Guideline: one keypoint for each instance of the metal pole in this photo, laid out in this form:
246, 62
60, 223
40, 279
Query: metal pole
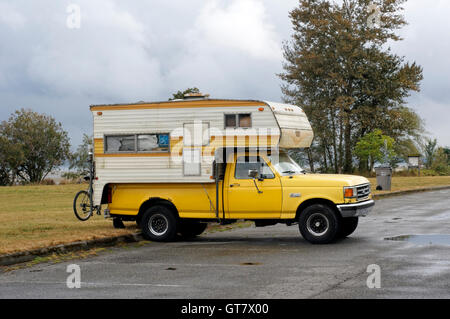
91, 180
217, 189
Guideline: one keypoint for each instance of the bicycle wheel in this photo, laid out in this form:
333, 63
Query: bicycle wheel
82, 205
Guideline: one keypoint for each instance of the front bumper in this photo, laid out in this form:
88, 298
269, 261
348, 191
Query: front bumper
356, 209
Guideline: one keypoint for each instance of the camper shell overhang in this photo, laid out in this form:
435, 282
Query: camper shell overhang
295, 129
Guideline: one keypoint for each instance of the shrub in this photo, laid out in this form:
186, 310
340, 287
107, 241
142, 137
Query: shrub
406, 173
48, 181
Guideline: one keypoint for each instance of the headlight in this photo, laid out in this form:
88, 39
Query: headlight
350, 192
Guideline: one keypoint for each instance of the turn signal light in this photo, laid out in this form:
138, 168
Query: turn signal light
348, 192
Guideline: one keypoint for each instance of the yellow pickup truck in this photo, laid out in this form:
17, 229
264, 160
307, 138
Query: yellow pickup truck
252, 187
148, 169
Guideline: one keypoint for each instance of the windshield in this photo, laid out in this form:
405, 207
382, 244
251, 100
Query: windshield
285, 165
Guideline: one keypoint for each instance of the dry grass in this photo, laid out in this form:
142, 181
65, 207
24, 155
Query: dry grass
407, 183
38, 216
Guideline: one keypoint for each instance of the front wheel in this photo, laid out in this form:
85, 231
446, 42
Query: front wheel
159, 224
82, 205
319, 224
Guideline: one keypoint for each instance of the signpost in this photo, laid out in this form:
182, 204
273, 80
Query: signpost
414, 162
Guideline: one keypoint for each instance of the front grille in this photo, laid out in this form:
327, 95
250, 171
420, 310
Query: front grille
362, 191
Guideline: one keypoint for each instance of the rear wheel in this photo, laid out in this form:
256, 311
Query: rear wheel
190, 229
159, 223
348, 226
82, 205
318, 224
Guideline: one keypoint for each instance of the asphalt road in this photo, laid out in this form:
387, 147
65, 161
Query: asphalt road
269, 262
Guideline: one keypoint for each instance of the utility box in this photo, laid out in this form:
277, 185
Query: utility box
384, 177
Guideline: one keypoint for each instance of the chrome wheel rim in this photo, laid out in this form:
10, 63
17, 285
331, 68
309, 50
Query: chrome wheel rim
158, 224
317, 224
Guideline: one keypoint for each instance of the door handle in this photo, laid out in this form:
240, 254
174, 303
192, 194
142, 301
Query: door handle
235, 184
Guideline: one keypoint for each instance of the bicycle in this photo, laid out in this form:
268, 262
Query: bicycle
83, 206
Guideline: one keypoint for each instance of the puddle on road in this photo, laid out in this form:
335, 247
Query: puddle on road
423, 239
250, 264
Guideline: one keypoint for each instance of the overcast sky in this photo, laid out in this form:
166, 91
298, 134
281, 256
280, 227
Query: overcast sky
129, 51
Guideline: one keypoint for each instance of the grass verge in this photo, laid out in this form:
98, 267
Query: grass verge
411, 183
39, 216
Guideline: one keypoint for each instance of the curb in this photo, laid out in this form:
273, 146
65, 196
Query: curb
410, 191
28, 255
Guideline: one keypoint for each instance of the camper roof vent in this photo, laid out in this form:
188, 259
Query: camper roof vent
190, 96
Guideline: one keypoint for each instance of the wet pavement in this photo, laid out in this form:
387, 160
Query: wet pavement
423, 239
269, 262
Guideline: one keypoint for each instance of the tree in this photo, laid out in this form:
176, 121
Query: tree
342, 73
375, 147
429, 151
5, 175
180, 94
5, 170
440, 162
447, 151
79, 160
33, 145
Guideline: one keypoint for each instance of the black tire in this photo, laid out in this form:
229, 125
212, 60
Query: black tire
319, 224
348, 226
159, 223
118, 223
82, 205
190, 229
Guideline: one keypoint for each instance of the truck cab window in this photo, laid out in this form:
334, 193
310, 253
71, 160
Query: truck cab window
285, 165
245, 164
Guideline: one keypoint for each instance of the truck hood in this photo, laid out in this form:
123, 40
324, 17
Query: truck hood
324, 180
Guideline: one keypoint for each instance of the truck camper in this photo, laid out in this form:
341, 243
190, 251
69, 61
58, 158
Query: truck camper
177, 165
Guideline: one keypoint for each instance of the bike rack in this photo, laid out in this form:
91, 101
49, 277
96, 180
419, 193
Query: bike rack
91, 180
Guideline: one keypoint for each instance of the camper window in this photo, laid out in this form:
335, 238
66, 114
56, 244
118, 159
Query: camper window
230, 120
238, 120
153, 143
245, 120
123, 143
144, 143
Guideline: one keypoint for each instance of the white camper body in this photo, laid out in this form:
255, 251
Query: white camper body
176, 141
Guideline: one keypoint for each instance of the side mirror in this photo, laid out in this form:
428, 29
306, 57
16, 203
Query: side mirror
253, 173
